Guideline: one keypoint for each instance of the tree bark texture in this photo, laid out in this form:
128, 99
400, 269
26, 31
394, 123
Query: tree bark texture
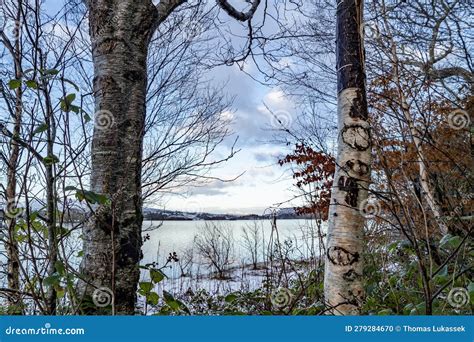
13, 261
13, 258
343, 286
120, 31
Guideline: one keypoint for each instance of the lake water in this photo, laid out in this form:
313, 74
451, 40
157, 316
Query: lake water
301, 237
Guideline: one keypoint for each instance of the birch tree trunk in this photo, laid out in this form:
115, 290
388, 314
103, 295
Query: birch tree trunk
13, 260
120, 31
51, 196
423, 170
343, 267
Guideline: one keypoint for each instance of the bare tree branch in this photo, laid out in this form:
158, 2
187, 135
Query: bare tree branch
166, 7
239, 15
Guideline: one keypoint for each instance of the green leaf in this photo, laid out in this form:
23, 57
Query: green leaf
102, 199
442, 277
70, 98
14, 84
74, 109
408, 308
71, 83
450, 242
152, 298
41, 128
385, 312
91, 197
167, 296
33, 215
156, 276
393, 280
50, 160
80, 196
53, 280
59, 266
60, 292
80, 254
393, 246
70, 188
66, 103
173, 304
418, 310
406, 246
170, 301
266, 313
50, 72
444, 271
31, 84
183, 307
87, 118
146, 286
230, 298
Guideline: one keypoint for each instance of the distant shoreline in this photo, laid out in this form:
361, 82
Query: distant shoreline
175, 215
233, 219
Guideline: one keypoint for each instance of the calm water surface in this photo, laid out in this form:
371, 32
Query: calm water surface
177, 236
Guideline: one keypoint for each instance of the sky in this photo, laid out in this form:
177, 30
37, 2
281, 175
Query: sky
263, 183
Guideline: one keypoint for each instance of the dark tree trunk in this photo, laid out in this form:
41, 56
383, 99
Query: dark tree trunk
120, 32
51, 204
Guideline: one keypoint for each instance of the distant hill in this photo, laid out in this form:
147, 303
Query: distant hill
77, 210
174, 215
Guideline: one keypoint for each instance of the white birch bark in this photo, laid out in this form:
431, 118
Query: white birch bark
343, 287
